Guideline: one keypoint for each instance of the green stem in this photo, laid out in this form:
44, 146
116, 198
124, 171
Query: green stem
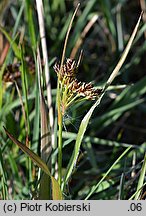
60, 149
60, 124
26, 109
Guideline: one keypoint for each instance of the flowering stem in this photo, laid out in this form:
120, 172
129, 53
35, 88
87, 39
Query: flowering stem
60, 124
60, 120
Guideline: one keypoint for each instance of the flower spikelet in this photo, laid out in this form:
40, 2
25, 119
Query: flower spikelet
67, 76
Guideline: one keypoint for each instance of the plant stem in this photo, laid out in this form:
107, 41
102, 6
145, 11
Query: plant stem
60, 119
59, 100
60, 124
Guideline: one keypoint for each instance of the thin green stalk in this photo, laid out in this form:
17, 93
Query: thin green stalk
59, 99
139, 190
4, 189
124, 55
60, 148
25, 88
60, 125
36, 121
141, 179
55, 144
30, 22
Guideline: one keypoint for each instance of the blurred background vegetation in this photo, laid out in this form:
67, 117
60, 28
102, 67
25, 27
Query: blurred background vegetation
101, 29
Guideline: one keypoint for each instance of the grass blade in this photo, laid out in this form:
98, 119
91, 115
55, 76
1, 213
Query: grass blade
79, 139
4, 189
13, 44
125, 53
44, 192
30, 22
133, 195
60, 115
141, 179
36, 122
56, 192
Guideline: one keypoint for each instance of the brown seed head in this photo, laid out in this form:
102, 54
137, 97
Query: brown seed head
68, 69
67, 74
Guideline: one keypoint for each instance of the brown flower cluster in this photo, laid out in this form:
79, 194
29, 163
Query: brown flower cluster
84, 89
67, 75
68, 69
12, 71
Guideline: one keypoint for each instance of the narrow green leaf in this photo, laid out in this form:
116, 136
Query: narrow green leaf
35, 158
4, 187
79, 138
133, 195
36, 122
25, 108
13, 44
56, 192
141, 179
30, 22
125, 53
95, 140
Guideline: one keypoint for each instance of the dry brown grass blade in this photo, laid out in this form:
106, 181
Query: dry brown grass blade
40, 12
45, 128
56, 192
67, 35
143, 8
46, 147
3, 50
83, 35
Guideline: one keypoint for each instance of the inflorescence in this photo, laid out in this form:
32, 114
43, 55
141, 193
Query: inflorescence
72, 86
